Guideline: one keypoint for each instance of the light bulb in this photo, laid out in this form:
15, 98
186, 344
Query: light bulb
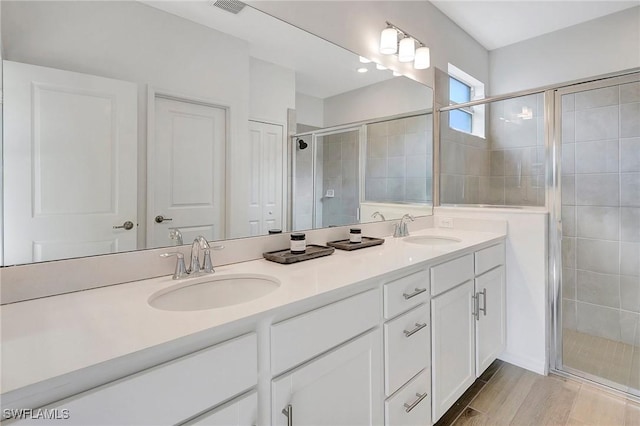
362, 70
364, 60
389, 41
407, 50
422, 59
396, 74
380, 67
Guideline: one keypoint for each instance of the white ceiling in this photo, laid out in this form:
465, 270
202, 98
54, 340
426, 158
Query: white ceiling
496, 24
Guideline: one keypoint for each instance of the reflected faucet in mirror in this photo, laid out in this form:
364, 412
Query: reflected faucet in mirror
378, 214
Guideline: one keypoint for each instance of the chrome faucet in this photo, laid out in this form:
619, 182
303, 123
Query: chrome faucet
401, 229
199, 244
181, 269
378, 214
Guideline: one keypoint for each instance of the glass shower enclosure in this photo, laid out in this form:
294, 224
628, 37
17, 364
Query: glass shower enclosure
596, 231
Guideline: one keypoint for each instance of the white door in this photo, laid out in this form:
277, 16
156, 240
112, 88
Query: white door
242, 411
491, 323
452, 347
266, 177
70, 164
186, 171
343, 387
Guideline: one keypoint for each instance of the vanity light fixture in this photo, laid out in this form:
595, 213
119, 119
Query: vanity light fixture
380, 67
362, 69
389, 40
406, 49
423, 58
364, 60
396, 74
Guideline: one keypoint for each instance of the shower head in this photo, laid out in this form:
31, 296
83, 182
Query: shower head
302, 144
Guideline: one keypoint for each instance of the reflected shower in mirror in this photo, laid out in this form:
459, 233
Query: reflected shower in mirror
184, 119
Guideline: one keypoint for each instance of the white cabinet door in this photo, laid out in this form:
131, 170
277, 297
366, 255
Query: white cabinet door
342, 387
242, 411
453, 346
491, 324
70, 164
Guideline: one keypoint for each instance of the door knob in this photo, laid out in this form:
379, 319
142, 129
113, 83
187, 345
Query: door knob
160, 219
128, 225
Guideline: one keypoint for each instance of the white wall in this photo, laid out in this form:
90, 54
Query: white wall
600, 46
272, 89
527, 290
309, 110
390, 97
356, 25
133, 42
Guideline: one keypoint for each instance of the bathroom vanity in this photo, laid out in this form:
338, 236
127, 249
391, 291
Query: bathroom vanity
392, 334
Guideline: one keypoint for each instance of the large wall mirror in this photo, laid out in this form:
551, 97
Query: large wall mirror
131, 125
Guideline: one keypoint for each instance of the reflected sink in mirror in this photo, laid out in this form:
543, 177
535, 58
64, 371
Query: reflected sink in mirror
213, 292
431, 240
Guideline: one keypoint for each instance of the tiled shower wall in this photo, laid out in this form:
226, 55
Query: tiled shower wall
601, 212
399, 160
340, 174
506, 166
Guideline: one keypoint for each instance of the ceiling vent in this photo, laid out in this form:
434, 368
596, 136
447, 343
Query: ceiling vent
233, 6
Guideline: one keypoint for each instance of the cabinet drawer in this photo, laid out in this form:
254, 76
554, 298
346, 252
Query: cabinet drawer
242, 411
301, 338
489, 258
405, 293
411, 406
170, 393
407, 341
448, 275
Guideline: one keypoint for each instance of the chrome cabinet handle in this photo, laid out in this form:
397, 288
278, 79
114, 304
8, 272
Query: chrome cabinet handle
409, 333
160, 219
128, 225
409, 407
288, 411
474, 312
484, 299
414, 294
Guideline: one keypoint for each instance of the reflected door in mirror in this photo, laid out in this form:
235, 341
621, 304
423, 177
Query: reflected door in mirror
186, 176
266, 176
70, 161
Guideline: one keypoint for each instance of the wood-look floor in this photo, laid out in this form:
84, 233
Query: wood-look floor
514, 396
615, 361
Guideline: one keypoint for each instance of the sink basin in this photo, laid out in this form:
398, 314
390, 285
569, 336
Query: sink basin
213, 292
431, 240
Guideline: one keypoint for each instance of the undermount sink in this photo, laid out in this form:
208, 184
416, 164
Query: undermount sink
431, 240
213, 292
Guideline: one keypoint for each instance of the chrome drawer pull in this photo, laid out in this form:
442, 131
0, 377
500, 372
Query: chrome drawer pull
409, 407
288, 411
409, 333
414, 294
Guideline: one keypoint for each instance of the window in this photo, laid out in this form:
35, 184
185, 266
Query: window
462, 89
460, 93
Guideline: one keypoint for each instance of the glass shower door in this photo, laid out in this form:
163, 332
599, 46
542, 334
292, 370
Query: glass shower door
598, 325
337, 178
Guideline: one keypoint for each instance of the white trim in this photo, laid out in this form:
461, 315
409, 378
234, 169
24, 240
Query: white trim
531, 364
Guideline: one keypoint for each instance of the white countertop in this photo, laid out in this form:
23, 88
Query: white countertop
45, 338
